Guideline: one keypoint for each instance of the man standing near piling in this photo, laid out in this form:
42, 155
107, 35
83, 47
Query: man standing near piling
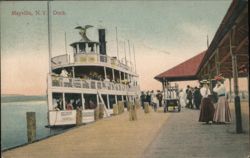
159, 97
143, 98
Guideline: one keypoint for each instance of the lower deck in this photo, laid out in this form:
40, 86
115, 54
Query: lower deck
63, 104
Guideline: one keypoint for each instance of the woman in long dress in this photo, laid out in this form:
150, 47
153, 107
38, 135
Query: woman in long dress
183, 97
222, 111
207, 107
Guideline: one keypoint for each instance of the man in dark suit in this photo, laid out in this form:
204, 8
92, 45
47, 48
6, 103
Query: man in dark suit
159, 97
189, 97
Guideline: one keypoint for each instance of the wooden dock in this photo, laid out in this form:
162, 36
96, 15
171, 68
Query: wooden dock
114, 137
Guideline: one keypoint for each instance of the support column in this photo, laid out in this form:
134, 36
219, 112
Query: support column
77, 48
209, 76
113, 74
64, 105
115, 99
97, 100
124, 75
73, 72
120, 75
230, 90
108, 101
86, 47
83, 101
105, 72
163, 88
236, 87
217, 62
96, 48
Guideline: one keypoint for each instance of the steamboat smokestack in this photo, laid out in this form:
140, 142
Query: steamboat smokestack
102, 41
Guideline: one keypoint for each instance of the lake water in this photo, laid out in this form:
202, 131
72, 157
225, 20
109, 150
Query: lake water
14, 126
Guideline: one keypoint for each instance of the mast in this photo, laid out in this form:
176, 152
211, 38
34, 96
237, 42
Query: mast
65, 40
49, 36
117, 43
134, 57
125, 53
129, 53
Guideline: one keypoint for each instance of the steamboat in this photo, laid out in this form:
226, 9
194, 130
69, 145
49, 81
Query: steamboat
91, 77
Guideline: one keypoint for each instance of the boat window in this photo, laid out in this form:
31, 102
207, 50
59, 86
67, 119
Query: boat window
82, 48
74, 100
89, 72
125, 99
90, 101
111, 101
57, 101
119, 98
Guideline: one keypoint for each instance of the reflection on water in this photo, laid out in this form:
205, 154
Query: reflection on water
13, 122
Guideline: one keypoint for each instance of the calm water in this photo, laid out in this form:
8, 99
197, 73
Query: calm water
13, 122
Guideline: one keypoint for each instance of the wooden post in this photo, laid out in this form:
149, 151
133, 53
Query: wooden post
115, 109
236, 87
217, 62
146, 107
96, 112
137, 103
31, 126
128, 105
120, 107
101, 111
78, 117
132, 112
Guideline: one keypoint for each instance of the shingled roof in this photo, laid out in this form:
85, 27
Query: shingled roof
186, 70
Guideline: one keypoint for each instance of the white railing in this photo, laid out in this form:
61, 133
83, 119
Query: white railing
58, 81
94, 58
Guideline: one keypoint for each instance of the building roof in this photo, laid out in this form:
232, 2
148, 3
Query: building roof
236, 16
186, 70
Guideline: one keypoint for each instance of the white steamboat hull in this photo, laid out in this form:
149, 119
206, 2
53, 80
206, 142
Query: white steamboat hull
68, 117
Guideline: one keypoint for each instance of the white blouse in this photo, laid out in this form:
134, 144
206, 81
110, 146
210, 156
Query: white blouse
205, 92
220, 90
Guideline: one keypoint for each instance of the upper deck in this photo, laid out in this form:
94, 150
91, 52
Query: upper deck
93, 59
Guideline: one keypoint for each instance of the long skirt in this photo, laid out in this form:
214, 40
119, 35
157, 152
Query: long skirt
222, 111
207, 110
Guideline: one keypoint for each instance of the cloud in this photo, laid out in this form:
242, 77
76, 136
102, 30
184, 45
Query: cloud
156, 49
196, 33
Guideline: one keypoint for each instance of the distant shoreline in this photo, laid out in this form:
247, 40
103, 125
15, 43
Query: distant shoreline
22, 98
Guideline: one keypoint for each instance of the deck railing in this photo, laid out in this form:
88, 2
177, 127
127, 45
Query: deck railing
58, 81
94, 58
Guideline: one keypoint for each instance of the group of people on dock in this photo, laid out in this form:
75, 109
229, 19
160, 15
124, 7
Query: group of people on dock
191, 97
213, 105
154, 99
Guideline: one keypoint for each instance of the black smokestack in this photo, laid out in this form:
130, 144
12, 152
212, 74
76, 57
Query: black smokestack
102, 41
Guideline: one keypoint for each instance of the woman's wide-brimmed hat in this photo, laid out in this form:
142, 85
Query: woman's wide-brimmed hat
219, 78
204, 82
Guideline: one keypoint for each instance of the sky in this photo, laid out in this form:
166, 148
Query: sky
164, 34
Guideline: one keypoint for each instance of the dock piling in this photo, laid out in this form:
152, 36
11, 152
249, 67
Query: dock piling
78, 117
31, 126
115, 109
137, 103
96, 113
120, 107
132, 112
101, 111
146, 107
